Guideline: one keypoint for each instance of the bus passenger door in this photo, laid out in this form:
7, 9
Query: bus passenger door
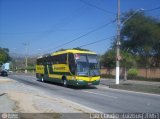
71, 63
46, 69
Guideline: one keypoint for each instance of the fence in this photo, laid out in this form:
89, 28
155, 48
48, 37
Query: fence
142, 72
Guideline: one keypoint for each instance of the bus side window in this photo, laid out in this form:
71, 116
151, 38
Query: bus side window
62, 58
71, 62
53, 59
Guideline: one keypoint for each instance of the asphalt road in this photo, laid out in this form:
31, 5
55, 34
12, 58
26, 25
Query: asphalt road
99, 98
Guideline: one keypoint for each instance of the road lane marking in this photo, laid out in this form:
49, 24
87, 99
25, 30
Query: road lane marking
101, 94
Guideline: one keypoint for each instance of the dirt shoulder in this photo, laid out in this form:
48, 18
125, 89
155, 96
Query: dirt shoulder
21, 98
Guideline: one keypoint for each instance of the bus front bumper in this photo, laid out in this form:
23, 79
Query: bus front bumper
83, 83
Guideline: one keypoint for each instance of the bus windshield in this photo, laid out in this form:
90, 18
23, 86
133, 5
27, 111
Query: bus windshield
87, 65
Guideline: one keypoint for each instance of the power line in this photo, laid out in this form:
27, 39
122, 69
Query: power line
104, 10
112, 13
100, 27
96, 41
149, 10
96, 29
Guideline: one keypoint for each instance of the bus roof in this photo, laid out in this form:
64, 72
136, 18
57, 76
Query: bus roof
67, 51
72, 51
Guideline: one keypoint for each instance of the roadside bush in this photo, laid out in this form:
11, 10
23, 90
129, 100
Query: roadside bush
31, 68
132, 73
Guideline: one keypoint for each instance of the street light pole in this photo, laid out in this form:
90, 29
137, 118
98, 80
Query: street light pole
118, 57
118, 44
138, 10
26, 57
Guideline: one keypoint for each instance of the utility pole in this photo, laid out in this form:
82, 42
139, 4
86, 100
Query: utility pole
118, 56
118, 44
26, 57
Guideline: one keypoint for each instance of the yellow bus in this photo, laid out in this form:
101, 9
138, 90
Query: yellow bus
69, 67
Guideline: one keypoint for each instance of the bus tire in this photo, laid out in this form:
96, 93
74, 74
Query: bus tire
42, 79
64, 81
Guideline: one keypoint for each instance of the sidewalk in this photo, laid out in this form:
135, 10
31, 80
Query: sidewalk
133, 85
17, 97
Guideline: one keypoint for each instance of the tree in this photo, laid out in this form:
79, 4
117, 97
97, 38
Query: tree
140, 43
109, 60
127, 62
141, 35
4, 55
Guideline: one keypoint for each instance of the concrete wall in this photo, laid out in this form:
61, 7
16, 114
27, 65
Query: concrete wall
142, 72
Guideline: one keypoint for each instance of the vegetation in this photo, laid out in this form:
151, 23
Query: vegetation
4, 55
140, 43
109, 59
132, 72
18, 64
140, 35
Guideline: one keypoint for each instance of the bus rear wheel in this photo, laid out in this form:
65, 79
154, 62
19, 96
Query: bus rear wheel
64, 82
42, 79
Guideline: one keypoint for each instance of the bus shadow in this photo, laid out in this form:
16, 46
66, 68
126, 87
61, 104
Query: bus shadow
50, 82
82, 87
70, 86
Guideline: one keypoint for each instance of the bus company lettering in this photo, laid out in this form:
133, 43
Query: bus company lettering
58, 68
40, 67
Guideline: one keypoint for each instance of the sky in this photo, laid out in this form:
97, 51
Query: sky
43, 25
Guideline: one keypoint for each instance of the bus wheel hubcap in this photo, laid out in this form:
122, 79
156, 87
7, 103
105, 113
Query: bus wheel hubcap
42, 79
64, 82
